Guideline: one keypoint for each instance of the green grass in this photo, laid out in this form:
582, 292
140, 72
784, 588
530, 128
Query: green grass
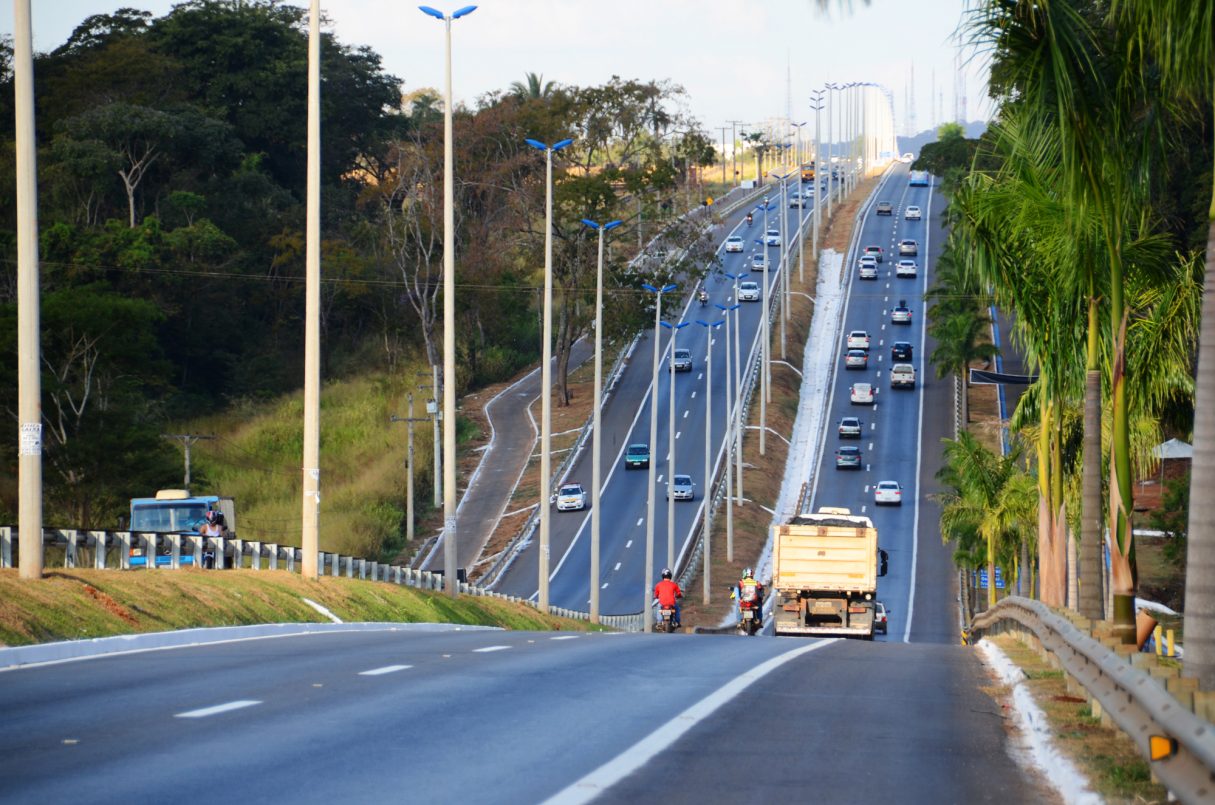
79, 604
257, 457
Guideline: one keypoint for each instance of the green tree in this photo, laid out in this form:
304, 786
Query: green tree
532, 88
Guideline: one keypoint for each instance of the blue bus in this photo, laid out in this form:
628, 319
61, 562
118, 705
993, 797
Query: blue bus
918, 179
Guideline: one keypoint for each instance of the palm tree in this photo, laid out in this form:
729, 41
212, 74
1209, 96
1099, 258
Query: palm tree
533, 87
992, 499
1174, 37
959, 344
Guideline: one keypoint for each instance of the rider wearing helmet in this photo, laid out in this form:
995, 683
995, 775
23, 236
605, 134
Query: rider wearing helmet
748, 592
668, 593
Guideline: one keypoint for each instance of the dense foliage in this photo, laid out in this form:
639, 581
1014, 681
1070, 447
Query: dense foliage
171, 159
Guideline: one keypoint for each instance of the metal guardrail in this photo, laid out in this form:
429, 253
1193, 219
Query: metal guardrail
111, 551
1132, 698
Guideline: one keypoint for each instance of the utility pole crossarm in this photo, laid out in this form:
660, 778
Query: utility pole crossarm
187, 440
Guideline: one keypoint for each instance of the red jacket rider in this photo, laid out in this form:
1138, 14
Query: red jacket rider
668, 593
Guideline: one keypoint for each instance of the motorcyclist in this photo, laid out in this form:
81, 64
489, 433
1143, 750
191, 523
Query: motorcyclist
703, 296
748, 592
213, 528
750, 218
668, 594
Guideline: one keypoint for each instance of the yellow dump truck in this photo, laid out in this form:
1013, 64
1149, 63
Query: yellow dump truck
825, 568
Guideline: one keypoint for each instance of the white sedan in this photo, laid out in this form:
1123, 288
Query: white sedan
912, 213
905, 268
748, 291
862, 393
571, 497
734, 243
888, 492
772, 237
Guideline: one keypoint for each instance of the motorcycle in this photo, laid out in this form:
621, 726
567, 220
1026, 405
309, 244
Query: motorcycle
750, 621
666, 620
704, 298
750, 218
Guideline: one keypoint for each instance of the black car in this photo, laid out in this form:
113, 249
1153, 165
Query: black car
900, 351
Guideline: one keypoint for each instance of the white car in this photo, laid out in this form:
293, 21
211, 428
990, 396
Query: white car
795, 199
912, 213
748, 291
908, 247
772, 237
759, 261
900, 314
681, 488
905, 268
571, 497
858, 339
888, 492
867, 268
862, 394
734, 243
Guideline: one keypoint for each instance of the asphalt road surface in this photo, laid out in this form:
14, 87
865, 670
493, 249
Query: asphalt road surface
498, 717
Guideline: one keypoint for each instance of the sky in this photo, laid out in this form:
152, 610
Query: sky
737, 60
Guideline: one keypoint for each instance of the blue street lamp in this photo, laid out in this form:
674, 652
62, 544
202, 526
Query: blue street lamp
595, 440
546, 372
449, 315
648, 610
674, 328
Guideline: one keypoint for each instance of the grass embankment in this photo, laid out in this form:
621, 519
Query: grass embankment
1104, 754
764, 474
79, 604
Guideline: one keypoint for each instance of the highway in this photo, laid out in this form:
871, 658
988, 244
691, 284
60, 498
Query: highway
902, 429
480, 716
626, 420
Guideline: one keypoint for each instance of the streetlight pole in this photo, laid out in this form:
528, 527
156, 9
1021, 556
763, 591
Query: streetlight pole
783, 260
311, 509
29, 350
832, 103
546, 371
409, 420
729, 454
707, 526
798, 146
816, 103
647, 610
674, 328
596, 436
450, 583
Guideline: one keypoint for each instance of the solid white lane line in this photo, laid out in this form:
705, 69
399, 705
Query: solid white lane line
487, 649
387, 669
565, 637
217, 709
601, 779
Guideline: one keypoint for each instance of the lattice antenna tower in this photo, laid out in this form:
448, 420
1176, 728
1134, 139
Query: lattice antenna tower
911, 127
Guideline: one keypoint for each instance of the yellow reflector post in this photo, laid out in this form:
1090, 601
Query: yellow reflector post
1161, 746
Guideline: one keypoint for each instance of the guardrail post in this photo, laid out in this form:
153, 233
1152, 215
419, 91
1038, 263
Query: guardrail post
238, 553
6, 546
350, 567
123, 540
175, 551
273, 549
362, 569
334, 564
150, 543
69, 552
255, 554
98, 538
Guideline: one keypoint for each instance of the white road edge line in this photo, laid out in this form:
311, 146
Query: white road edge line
487, 649
217, 709
601, 779
565, 637
387, 669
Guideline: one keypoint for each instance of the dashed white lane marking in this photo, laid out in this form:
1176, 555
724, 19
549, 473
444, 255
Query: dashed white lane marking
487, 649
617, 567
700, 376
685, 414
640, 520
659, 480
217, 709
387, 669
605, 584
678, 433
565, 637
629, 544
693, 395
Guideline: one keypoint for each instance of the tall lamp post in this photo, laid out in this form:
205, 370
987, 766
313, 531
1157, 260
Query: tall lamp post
546, 369
595, 429
725, 314
647, 610
798, 145
783, 261
707, 526
737, 385
450, 583
674, 328
29, 355
816, 104
832, 103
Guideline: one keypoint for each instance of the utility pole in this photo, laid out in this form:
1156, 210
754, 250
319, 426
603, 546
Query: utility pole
311, 508
734, 147
723, 154
186, 440
29, 349
409, 467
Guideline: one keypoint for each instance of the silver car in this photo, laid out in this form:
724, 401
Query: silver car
681, 488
